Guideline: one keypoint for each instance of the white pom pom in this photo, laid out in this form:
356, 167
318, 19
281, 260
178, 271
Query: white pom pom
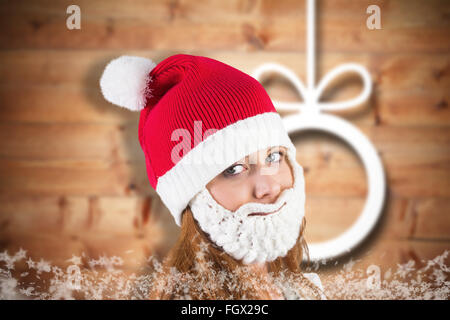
125, 81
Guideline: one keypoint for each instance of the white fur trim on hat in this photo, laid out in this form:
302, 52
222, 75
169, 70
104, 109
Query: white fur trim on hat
125, 81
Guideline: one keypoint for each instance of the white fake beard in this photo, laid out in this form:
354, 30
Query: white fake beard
254, 238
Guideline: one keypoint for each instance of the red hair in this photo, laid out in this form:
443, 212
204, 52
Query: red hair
196, 268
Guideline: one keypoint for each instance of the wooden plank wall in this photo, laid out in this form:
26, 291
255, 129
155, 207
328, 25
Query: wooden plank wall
72, 174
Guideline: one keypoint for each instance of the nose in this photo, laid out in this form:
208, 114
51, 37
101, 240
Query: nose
266, 188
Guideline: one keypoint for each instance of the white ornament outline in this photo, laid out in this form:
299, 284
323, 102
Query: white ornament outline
310, 117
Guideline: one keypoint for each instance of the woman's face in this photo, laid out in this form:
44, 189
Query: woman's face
259, 177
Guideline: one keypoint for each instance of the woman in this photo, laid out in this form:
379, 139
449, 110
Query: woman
220, 159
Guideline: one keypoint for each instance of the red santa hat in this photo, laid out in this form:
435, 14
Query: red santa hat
198, 116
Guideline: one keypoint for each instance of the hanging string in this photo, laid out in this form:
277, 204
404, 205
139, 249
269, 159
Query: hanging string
311, 94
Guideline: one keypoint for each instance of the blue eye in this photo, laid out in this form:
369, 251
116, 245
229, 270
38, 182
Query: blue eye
231, 170
276, 158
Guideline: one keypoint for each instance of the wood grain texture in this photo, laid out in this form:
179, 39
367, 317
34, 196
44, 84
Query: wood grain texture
399, 100
218, 25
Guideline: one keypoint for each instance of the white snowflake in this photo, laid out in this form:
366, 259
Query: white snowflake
404, 269
75, 260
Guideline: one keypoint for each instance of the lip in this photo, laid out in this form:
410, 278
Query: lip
265, 213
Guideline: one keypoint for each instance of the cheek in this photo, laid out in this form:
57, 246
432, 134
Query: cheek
286, 175
229, 196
